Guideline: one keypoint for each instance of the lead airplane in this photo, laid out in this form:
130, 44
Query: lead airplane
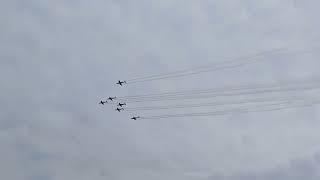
121, 82
135, 117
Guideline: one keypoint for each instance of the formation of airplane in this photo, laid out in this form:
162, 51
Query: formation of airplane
119, 105
121, 82
135, 118
122, 104
119, 109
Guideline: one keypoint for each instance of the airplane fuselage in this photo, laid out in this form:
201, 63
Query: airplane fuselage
121, 104
121, 82
119, 110
135, 118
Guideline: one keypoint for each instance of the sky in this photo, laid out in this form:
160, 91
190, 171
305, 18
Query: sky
59, 58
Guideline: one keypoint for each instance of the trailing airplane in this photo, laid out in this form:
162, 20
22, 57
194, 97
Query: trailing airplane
112, 98
122, 104
103, 102
119, 109
121, 82
135, 117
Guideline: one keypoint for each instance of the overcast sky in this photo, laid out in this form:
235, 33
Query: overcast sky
58, 58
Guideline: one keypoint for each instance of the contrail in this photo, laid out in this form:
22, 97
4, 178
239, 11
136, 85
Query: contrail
219, 90
264, 108
236, 62
223, 94
206, 67
217, 104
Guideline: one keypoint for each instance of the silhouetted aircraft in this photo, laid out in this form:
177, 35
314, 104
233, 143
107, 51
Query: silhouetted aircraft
112, 98
103, 102
122, 104
135, 118
121, 82
119, 109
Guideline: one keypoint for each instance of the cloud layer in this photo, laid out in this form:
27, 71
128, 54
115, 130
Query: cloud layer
58, 58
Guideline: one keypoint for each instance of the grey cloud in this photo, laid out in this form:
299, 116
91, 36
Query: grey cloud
296, 169
58, 58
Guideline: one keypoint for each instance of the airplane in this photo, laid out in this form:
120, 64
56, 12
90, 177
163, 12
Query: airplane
121, 82
112, 98
119, 109
103, 102
122, 104
135, 118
